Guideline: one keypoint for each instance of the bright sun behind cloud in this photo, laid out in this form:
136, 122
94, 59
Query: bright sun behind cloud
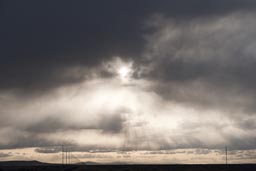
123, 71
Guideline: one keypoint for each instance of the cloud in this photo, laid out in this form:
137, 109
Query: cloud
107, 123
134, 119
205, 61
52, 119
191, 81
47, 150
49, 40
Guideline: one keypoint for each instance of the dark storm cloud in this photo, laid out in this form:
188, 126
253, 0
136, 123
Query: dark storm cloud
187, 151
112, 124
33, 134
31, 140
247, 124
233, 140
46, 125
205, 61
42, 40
241, 155
75, 148
199, 52
107, 123
48, 150
20, 138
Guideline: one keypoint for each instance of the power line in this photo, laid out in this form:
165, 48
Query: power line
66, 155
62, 154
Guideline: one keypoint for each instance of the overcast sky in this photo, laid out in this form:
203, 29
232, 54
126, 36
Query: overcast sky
149, 81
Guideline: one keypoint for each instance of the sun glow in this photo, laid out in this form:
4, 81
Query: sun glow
124, 72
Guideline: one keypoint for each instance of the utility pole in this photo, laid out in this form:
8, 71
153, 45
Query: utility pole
62, 155
66, 156
226, 149
70, 159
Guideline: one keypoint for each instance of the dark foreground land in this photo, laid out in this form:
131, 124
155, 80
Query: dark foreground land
49, 167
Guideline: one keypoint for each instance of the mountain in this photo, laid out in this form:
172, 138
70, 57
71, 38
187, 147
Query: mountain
22, 163
88, 163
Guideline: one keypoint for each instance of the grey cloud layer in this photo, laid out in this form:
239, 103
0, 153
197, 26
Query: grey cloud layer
199, 56
41, 41
206, 60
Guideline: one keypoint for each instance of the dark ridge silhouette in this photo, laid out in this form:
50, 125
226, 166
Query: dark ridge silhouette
93, 166
22, 163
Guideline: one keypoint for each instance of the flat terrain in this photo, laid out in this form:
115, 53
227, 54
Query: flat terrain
48, 167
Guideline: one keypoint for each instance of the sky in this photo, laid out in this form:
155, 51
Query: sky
166, 81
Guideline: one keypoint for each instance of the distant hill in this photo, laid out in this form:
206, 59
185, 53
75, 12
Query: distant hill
88, 163
22, 163
119, 163
93, 166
